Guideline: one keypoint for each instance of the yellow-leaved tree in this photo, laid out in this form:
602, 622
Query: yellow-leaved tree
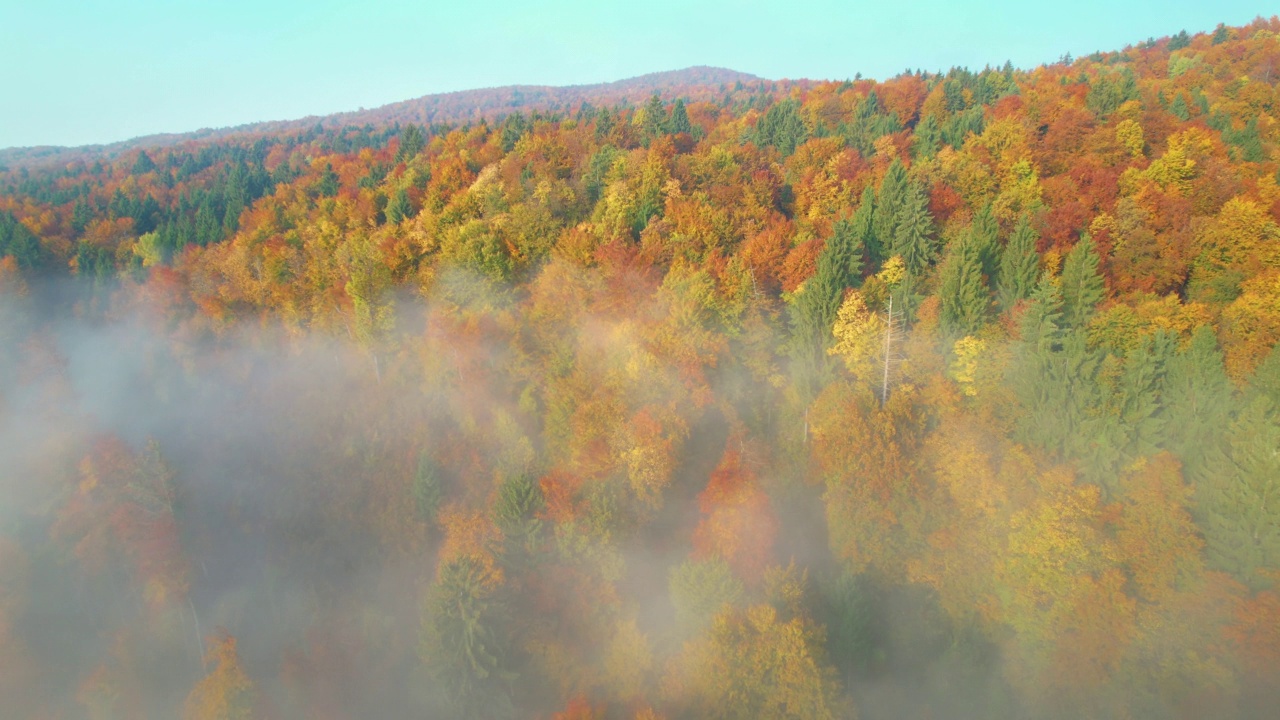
226, 693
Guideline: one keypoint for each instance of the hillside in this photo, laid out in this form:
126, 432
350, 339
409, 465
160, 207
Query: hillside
955, 395
445, 108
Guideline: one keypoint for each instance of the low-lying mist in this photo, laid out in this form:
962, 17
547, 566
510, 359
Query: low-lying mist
491, 504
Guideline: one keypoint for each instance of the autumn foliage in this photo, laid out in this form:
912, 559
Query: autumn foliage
952, 395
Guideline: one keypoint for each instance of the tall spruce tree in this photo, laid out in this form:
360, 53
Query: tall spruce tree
928, 138
412, 141
464, 643
889, 201
1082, 287
814, 308
1197, 402
679, 120
839, 267
963, 290
1238, 503
913, 231
986, 240
1019, 266
655, 117
399, 208
864, 228
782, 127
1266, 378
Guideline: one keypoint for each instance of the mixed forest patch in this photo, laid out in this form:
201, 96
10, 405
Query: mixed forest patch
953, 395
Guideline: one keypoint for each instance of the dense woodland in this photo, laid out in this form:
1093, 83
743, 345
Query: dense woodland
955, 395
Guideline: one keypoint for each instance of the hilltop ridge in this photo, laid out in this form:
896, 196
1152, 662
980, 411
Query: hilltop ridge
450, 107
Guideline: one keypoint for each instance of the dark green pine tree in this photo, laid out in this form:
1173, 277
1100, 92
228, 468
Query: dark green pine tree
864, 227
679, 120
81, 215
514, 127
516, 515
1129, 424
814, 307
1197, 402
208, 226
928, 138
889, 201
986, 239
1179, 108
963, 290
1019, 266
412, 141
1238, 502
913, 232
20, 243
144, 164
329, 183
1036, 356
839, 267
463, 643
655, 117
399, 207
1266, 378
1060, 399
428, 488
782, 128
1082, 287
1041, 328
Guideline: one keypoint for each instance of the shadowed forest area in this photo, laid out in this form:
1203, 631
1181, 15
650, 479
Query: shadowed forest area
955, 395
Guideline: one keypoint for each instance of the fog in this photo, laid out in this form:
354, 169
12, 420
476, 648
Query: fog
264, 487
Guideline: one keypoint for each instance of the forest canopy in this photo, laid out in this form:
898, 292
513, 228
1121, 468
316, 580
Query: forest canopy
952, 395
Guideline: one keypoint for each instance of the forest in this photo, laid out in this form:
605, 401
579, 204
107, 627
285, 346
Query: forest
953, 395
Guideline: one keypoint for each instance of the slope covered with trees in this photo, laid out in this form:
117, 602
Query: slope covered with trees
603, 412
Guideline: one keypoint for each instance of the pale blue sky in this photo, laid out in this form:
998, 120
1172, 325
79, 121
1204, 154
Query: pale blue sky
88, 71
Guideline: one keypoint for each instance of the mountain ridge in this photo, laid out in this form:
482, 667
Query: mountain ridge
474, 104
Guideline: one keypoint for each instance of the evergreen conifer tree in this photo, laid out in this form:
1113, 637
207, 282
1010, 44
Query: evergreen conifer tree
399, 208
913, 232
679, 120
865, 230
1197, 400
985, 233
963, 290
1237, 504
928, 138
889, 202
1082, 287
1019, 266
839, 267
